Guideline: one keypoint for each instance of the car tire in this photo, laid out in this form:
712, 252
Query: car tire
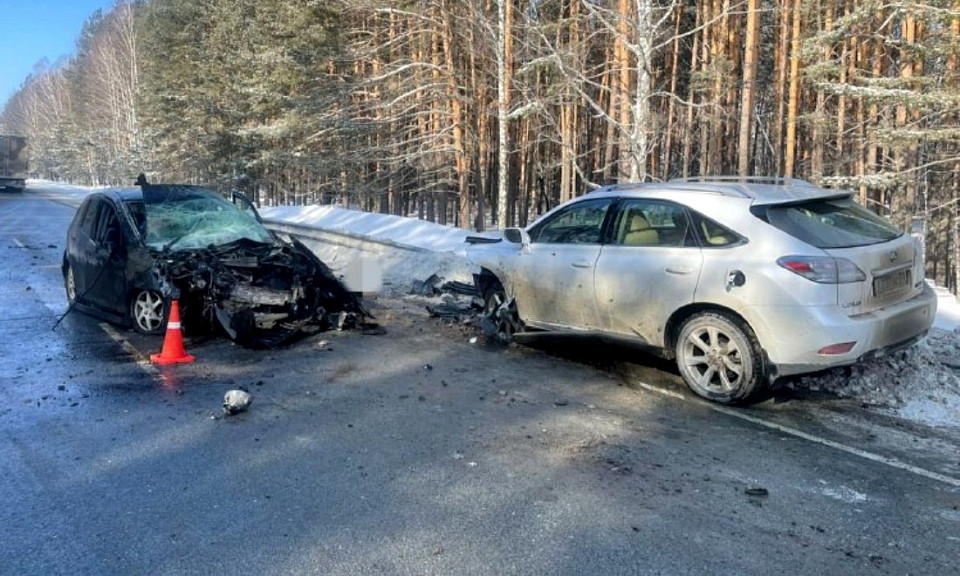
70, 285
720, 358
148, 312
501, 319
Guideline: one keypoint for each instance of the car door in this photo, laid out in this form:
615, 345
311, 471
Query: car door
108, 262
649, 269
80, 245
553, 277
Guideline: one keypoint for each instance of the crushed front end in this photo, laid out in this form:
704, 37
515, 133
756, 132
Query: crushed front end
227, 270
262, 295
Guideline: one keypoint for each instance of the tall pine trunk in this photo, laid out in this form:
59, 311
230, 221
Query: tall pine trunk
749, 88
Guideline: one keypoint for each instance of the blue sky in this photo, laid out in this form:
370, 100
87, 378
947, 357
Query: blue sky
36, 29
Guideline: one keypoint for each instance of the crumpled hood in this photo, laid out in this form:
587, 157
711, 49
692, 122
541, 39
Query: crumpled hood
261, 294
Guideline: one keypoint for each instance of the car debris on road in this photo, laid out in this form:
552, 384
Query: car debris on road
236, 401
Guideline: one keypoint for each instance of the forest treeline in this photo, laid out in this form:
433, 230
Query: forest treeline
489, 112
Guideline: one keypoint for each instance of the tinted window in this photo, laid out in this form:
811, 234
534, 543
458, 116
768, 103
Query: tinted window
645, 223
580, 223
714, 235
90, 214
136, 210
108, 227
833, 223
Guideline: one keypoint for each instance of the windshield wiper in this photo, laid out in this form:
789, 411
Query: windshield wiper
169, 245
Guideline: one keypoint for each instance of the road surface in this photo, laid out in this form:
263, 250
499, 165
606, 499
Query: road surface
419, 452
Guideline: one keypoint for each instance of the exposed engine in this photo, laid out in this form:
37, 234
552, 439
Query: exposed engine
260, 294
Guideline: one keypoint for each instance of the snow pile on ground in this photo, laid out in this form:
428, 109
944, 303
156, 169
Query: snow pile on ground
411, 250
921, 383
384, 227
914, 383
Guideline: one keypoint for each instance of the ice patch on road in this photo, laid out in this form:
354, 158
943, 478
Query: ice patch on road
842, 493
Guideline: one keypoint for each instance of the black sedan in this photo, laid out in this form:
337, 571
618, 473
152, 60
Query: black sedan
131, 251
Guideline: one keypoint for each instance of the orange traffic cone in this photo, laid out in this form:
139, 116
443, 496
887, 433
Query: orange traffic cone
173, 352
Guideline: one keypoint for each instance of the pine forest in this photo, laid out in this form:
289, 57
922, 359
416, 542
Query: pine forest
487, 113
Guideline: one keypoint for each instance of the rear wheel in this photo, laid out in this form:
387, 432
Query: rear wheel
719, 357
148, 312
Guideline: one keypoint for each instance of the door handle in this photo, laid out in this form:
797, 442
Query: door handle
682, 270
580, 264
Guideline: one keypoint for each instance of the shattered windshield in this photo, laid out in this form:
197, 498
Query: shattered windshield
190, 217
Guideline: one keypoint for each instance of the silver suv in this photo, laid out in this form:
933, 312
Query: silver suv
742, 281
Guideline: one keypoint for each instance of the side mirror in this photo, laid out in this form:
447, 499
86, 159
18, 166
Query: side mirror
517, 236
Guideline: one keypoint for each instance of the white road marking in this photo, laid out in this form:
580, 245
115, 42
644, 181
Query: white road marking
143, 361
139, 358
886, 460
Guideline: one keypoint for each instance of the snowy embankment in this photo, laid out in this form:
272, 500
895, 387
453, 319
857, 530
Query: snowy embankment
408, 250
920, 383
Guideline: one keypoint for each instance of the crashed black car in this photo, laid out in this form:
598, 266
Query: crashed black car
131, 251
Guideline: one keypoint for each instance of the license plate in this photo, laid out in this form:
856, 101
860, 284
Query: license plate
892, 282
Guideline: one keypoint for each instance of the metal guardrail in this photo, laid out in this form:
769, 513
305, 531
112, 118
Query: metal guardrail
336, 236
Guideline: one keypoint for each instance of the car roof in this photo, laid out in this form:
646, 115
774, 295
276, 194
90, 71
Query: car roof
134, 194
129, 194
759, 190
121, 194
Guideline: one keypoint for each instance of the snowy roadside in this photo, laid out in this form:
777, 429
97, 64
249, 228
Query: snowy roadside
920, 384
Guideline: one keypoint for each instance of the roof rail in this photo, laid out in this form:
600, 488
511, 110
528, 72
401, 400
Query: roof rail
616, 187
772, 180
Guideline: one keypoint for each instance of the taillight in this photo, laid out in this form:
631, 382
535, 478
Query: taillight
823, 269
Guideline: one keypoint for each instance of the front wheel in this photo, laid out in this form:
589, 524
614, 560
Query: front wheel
70, 284
500, 314
148, 312
719, 357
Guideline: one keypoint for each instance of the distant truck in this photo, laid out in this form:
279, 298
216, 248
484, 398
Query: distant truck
13, 162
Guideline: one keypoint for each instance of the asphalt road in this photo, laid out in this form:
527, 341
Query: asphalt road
417, 452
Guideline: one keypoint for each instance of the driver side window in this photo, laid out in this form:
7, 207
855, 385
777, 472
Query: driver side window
581, 223
108, 227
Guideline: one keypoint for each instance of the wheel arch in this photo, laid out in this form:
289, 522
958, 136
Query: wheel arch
681, 315
485, 279
675, 322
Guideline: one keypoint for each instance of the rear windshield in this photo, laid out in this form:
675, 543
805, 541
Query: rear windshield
832, 223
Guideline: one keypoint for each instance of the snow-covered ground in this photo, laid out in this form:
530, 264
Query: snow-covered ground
918, 384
